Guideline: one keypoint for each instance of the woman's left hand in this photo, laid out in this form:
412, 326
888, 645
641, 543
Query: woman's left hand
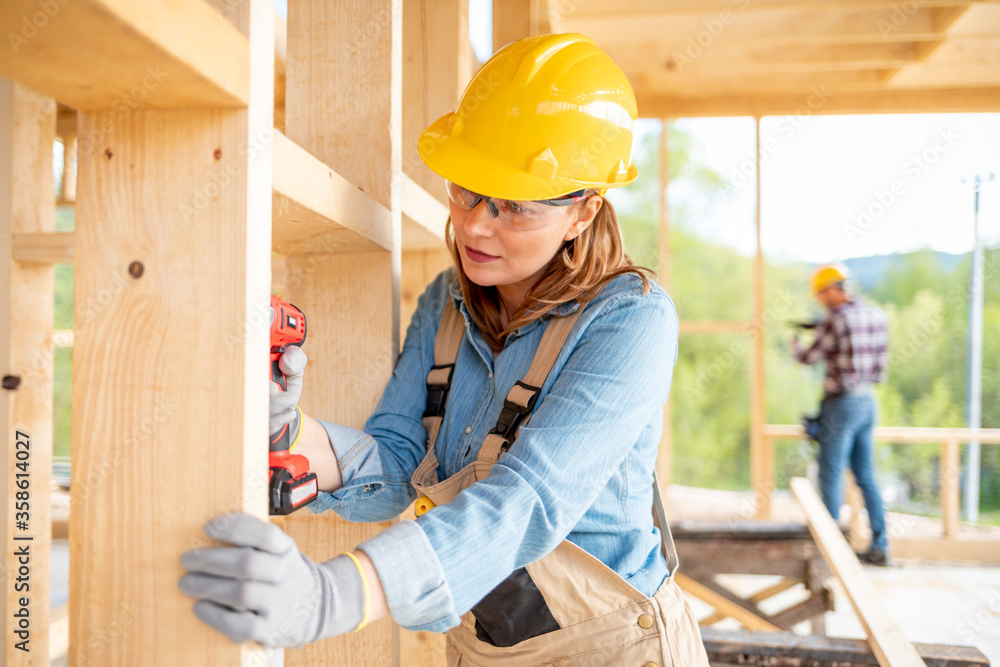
263, 589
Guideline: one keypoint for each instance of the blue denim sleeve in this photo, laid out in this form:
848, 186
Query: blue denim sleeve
613, 384
376, 463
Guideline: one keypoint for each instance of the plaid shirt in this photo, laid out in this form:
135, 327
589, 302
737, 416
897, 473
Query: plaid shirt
852, 338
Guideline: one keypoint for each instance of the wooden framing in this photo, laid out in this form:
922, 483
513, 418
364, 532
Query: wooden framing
949, 547
27, 131
157, 54
193, 239
343, 104
888, 644
785, 649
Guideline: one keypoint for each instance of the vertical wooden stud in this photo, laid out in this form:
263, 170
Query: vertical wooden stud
343, 103
665, 459
949, 470
27, 205
170, 359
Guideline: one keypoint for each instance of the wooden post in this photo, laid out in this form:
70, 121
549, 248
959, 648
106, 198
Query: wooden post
344, 105
665, 459
511, 22
761, 456
170, 358
949, 471
27, 131
856, 502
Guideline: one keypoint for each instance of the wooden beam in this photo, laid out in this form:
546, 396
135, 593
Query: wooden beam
156, 54
172, 273
821, 101
948, 550
59, 633
316, 210
723, 604
665, 454
44, 247
716, 327
785, 584
642, 8
511, 22
887, 641
27, 132
437, 58
424, 217
901, 434
344, 106
949, 473
787, 649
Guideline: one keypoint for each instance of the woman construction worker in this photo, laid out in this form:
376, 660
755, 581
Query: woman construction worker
523, 414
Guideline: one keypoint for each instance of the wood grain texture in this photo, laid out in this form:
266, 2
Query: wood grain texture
437, 56
348, 300
170, 362
343, 104
316, 210
44, 247
887, 641
27, 131
120, 54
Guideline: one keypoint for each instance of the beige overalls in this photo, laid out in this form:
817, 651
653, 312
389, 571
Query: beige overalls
567, 608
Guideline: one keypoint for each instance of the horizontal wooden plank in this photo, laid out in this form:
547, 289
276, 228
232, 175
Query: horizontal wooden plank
887, 641
902, 434
953, 550
820, 101
316, 210
44, 247
723, 604
640, 8
424, 217
123, 54
706, 326
787, 649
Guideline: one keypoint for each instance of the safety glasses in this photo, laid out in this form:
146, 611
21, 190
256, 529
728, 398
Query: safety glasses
519, 216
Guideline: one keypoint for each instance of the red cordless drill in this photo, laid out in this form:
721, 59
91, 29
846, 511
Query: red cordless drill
290, 483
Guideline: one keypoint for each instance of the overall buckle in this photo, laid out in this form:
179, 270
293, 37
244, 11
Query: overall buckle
437, 393
512, 413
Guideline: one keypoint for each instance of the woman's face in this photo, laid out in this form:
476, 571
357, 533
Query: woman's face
493, 255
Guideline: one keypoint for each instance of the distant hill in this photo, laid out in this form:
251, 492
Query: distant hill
868, 272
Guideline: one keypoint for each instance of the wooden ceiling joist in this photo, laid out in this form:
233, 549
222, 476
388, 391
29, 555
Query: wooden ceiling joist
769, 57
159, 54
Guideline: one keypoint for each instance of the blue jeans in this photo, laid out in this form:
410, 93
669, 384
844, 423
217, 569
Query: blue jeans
845, 435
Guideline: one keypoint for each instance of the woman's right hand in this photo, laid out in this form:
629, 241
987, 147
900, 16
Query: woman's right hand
292, 362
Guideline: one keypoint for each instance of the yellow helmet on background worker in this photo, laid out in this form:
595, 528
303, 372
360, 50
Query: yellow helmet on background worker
828, 275
545, 116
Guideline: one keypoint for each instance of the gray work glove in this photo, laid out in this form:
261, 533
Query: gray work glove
264, 590
292, 362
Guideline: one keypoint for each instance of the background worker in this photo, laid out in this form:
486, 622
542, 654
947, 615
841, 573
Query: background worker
523, 415
852, 340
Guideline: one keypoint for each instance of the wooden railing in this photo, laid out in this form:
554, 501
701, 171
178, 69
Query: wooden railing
950, 472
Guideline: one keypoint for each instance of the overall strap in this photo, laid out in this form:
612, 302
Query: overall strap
521, 398
446, 344
667, 545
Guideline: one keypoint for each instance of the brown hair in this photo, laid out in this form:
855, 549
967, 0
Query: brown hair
577, 272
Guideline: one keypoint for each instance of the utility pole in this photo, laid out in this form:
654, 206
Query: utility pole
974, 371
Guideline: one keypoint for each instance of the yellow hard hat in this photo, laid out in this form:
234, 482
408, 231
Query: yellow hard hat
831, 274
545, 116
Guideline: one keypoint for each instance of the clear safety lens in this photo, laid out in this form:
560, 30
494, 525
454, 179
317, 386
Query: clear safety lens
512, 214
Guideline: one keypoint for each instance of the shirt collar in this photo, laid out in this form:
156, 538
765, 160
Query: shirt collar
455, 291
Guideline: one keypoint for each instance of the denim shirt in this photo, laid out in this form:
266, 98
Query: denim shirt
580, 469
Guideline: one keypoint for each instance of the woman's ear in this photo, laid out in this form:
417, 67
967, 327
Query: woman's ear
584, 217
